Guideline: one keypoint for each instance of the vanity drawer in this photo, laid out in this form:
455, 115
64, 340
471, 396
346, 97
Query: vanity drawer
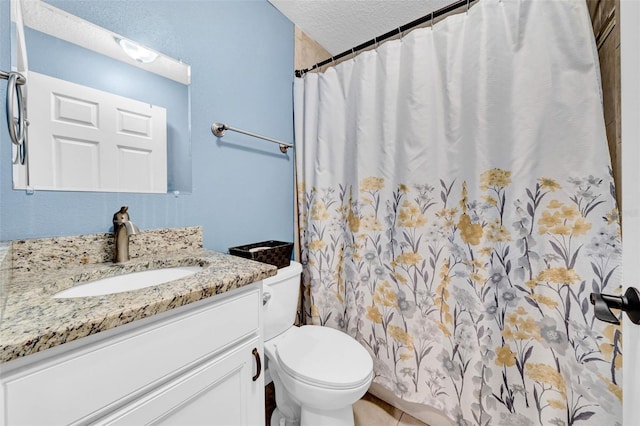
107, 374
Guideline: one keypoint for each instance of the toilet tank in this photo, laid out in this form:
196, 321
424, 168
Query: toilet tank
281, 293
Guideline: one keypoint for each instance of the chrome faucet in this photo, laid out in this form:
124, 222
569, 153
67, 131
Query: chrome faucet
122, 228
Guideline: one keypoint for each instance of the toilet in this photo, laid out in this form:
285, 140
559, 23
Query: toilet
317, 372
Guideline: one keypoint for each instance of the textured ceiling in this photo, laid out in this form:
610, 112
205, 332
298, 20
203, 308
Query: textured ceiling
339, 25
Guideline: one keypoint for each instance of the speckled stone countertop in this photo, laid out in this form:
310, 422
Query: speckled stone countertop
32, 271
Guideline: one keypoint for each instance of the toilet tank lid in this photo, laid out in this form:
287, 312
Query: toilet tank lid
325, 356
293, 269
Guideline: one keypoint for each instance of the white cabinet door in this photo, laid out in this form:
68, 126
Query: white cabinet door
220, 392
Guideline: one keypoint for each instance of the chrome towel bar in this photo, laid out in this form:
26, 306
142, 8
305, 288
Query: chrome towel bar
219, 129
5, 75
16, 122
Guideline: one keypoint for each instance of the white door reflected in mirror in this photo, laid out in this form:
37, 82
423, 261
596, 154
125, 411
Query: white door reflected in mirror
82, 139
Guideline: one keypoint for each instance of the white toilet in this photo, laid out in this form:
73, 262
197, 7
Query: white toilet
318, 372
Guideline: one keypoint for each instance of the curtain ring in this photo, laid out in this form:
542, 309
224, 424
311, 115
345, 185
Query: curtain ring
400, 33
432, 21
467, 7
353, 54
375, 41
333, 62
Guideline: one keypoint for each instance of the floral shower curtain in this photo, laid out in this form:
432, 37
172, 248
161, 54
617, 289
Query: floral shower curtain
457, 209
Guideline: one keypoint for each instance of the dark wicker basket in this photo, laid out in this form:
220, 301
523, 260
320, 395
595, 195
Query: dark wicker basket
272, 252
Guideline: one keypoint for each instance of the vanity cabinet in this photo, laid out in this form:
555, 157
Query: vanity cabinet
197, 364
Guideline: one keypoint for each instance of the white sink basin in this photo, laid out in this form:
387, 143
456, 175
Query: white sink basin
128, 282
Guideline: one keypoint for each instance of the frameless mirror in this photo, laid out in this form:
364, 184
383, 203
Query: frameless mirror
51, 41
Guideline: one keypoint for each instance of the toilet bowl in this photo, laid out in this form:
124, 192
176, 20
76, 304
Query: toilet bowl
318, 372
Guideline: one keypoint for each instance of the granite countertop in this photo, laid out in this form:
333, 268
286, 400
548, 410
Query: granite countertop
31, 320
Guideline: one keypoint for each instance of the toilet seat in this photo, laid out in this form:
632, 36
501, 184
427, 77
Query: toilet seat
324, 357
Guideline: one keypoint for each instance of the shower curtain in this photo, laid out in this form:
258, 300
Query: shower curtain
456, 210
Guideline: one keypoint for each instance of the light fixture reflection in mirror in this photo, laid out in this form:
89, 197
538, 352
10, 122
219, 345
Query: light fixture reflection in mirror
136, 51
71, 48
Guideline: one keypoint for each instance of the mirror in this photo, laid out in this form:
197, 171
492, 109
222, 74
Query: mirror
48, 40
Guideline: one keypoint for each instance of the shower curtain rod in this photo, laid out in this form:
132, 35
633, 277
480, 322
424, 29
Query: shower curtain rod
430, 17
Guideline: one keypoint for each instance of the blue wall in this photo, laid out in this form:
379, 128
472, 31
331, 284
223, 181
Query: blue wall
241, 57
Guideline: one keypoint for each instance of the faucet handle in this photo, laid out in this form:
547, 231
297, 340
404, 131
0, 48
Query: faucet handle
121, 215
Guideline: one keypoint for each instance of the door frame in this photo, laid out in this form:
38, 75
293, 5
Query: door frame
629, 19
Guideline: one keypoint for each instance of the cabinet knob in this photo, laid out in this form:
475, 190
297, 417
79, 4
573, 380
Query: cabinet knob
256, 355
265, 298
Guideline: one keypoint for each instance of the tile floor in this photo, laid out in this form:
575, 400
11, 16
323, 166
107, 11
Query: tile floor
369, 411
